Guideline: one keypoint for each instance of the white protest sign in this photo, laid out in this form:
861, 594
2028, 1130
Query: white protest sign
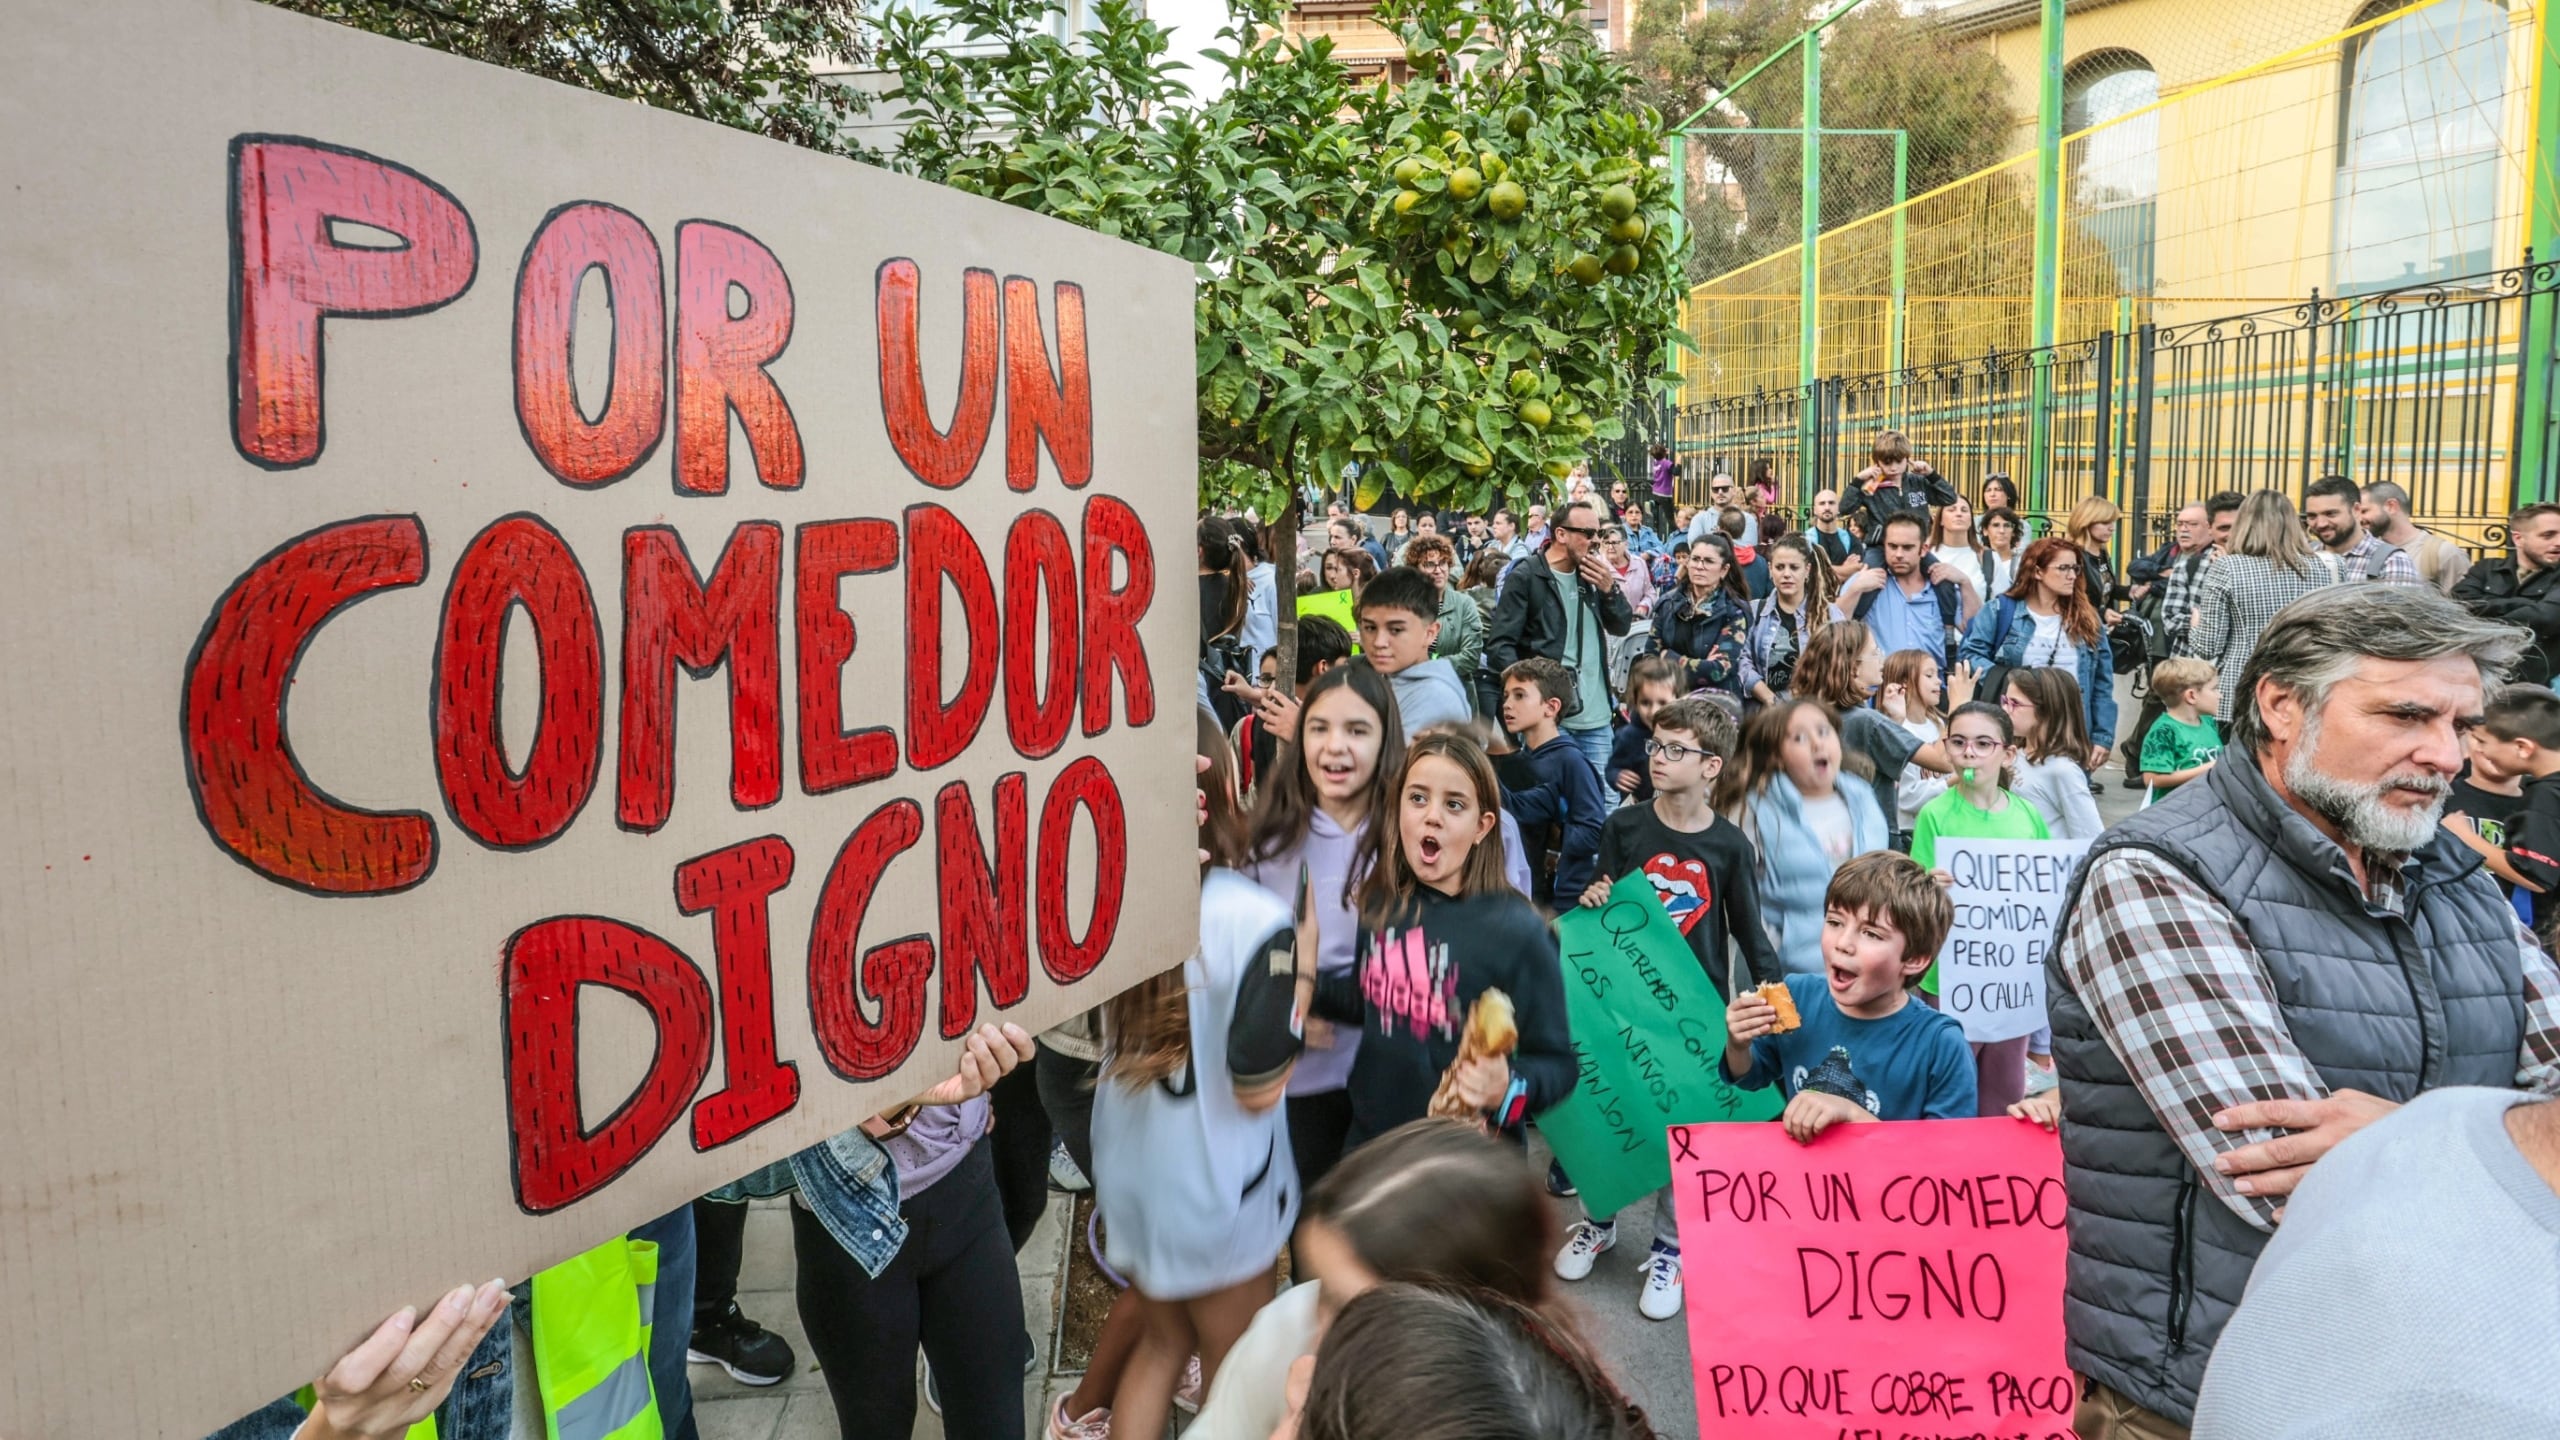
2008, 897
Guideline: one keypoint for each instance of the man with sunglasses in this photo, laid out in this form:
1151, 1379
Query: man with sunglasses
1720, 498
1564, 605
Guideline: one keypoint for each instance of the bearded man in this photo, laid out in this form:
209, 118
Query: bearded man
2264, 963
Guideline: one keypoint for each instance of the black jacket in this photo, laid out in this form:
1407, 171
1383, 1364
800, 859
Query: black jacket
1916, 494
1529, 620
2492, 592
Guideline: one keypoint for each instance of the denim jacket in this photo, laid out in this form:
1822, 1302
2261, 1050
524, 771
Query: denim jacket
1999, 636
1795, 871
849, 1184
481, 1405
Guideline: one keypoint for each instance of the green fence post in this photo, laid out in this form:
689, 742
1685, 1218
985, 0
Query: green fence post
2048, 266
2527, 472
1894, 359
1809, 265
1679, 153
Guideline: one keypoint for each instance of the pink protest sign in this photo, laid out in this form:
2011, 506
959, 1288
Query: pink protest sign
1895, 1281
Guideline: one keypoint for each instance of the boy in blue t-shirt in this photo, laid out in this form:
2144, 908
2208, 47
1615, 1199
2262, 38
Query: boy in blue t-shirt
1864, 1049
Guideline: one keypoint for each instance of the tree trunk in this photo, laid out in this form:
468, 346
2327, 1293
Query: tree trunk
1281, 544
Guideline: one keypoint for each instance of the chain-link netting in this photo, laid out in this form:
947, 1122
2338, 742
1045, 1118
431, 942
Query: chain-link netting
2221, 159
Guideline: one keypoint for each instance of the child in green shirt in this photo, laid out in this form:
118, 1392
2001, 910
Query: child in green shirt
2183, 742
1979, 807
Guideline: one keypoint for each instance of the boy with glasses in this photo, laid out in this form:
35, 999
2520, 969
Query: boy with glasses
1702, 870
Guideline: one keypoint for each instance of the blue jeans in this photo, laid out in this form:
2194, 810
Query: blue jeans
1594, 744
671, 1319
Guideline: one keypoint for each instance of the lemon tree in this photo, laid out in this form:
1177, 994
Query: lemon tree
1452, 288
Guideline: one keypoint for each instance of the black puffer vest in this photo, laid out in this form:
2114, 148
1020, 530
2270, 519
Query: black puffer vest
2379, 1003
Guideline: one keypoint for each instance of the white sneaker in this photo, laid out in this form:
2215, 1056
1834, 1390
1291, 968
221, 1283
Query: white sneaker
1063, 1174
1662, 1295
1587, 1243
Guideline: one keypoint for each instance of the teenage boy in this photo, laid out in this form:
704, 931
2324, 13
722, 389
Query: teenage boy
2183, 742
2507, 810
1567, 794
1399, 616
1701, 867
1863, 1049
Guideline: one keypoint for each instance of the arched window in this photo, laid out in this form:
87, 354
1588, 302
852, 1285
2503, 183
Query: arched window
2115, 171
2419, 146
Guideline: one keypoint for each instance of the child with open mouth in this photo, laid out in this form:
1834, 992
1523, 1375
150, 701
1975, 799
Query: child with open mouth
1440, 926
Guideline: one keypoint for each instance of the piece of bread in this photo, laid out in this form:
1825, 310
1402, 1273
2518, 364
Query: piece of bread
1492, 1028
1785, 1004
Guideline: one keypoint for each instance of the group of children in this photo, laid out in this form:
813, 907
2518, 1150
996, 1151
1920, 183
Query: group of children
1360, 911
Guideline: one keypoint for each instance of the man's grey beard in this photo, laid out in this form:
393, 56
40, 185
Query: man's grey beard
2362, 812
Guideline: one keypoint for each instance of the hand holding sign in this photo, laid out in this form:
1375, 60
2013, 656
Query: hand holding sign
2007, 896
1649, 1033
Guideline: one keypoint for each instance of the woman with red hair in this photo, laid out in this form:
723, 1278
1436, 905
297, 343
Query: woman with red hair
2044, 620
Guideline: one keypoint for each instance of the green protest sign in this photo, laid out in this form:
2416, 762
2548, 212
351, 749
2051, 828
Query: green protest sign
1648, 1032
1334, 605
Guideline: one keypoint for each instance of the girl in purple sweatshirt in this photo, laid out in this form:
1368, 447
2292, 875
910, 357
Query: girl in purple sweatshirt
1309, 815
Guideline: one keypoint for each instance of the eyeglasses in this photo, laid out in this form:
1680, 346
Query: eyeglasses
2013, 702
1671, 750
2059, 569
1585, 531
1720, 490
1976, 744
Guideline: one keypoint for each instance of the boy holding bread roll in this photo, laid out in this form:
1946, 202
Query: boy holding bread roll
1863, 1047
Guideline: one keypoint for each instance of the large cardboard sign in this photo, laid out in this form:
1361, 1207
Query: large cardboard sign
1887, 1282
557, 653
2008, 898
1648, 1034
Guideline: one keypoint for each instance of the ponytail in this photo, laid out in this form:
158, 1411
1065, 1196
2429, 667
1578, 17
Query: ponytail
1223, 555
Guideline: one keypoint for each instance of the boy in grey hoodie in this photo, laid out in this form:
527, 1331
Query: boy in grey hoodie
1399, 615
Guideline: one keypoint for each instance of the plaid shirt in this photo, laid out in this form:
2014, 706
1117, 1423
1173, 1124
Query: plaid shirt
2179, 992
2178, 582
2398, 568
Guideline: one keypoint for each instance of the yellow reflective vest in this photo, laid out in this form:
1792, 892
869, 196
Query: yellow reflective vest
590, 1346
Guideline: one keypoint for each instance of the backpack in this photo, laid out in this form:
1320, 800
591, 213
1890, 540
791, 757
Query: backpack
1950, 605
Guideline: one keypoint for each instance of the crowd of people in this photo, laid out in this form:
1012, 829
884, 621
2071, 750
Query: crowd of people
2327, 905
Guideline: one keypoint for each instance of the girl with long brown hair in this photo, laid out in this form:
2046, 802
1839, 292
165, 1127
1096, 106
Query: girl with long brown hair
1440, 926
2043, 704
1191, 1154
1805, 817
1325, 795
1801, 588
1435, 1202
2046, 620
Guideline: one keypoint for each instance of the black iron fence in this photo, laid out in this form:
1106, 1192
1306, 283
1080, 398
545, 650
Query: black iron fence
2426, 386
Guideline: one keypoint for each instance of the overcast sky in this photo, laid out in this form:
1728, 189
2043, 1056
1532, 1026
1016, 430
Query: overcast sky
1194, 26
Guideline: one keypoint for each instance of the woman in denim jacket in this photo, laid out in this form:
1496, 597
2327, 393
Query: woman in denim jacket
1798, 603
2046, 619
